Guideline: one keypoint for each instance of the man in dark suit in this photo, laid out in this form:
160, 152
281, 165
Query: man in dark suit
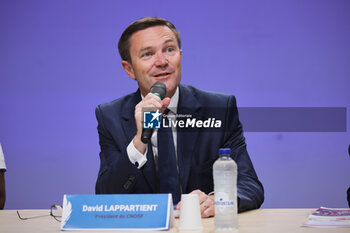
150, 52
2, 179
348, 195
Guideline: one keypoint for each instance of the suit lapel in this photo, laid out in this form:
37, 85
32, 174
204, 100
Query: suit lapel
128, 118
129, 127
186, 138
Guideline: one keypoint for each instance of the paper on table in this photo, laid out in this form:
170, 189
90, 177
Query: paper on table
329, 218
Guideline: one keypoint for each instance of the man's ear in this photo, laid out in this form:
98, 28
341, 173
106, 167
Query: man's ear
128, 69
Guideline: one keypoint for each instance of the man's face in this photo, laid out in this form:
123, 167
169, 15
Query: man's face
155, 56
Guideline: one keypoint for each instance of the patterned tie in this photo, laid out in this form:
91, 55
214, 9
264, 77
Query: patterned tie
167, 165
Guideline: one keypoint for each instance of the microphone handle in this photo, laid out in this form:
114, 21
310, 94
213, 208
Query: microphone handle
146, 135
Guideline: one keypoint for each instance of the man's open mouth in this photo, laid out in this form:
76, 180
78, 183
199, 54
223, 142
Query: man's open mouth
162, 74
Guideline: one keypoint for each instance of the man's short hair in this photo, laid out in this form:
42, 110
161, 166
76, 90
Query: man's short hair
143, 23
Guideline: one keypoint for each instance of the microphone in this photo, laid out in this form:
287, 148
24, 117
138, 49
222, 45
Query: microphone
159, 89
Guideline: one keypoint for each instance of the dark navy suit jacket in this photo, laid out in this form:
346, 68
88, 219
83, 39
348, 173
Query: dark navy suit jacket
197, 148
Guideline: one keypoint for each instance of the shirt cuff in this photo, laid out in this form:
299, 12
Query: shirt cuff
135, 156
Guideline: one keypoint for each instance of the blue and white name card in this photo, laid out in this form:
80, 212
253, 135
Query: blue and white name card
119, 212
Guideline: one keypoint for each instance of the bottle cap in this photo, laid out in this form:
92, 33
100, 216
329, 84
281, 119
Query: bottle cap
224, 151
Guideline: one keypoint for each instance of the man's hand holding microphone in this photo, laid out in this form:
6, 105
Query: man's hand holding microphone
154, 99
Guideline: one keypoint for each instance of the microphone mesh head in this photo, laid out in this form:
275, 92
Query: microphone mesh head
159, 88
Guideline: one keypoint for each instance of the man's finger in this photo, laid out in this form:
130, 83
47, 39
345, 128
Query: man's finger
178, 206
209, 212
207, 207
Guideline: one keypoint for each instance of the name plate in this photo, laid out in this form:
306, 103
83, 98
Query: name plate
121, 211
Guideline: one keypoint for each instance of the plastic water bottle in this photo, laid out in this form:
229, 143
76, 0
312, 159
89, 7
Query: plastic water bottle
225, 188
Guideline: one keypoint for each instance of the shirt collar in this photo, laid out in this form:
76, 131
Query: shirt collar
174, 101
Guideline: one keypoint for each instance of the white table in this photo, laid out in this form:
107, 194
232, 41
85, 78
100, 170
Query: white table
256, 221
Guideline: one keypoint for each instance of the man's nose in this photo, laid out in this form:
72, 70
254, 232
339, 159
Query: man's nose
161, 59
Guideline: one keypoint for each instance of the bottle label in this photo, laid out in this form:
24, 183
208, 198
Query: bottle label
222, 201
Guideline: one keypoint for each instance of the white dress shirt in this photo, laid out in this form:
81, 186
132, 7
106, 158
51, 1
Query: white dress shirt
135, 156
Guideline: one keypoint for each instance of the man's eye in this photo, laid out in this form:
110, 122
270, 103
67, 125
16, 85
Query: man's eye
170, 49
147, 54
